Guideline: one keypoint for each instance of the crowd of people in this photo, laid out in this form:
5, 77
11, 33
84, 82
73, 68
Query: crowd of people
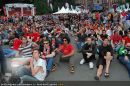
46, 40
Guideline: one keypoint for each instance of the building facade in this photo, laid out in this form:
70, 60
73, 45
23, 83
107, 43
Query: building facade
105, 3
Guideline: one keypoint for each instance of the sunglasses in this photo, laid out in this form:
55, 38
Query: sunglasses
65, 40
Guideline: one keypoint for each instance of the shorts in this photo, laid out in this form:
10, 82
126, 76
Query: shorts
101, 61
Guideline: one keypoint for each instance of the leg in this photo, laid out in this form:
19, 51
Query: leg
85, 57
108, 58
99, 71
71, 63
117, 47
57, 58
28, 78
79, 45
100, 65
3, 66
23, 71
9, 52
126, 63
49, 64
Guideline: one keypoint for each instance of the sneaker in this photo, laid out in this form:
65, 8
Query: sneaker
82, 61
91, 65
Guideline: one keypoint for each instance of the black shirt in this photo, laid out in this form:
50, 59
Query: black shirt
104, 49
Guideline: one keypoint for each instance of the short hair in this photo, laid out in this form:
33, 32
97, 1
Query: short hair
105, 39
36, 50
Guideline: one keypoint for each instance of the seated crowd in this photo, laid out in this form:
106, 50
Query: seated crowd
46, 46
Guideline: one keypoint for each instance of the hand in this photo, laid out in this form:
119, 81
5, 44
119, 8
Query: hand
63, 56
56, 50
43, 56
31, 62
27, 66
88, 55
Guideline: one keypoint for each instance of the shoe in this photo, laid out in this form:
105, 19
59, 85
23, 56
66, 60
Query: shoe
106, 75
96, 78
54, 68
72, 69
82, 61
91, 65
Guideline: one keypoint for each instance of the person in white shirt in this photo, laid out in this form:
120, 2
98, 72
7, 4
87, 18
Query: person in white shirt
35, 71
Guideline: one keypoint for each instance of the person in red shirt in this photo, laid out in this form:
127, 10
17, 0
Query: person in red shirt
116, 40
123, 13
126, 39
65, 52
97, 15
35, 36
16, 44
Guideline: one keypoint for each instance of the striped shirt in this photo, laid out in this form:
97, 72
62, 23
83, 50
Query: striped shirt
27, 50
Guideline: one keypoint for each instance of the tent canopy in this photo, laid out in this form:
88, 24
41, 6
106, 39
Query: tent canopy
65, 11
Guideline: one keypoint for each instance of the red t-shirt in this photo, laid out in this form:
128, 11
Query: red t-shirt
123, 14
35, 36
97, 16
28, 35
67, 49
16, 44
116, 38
127, 40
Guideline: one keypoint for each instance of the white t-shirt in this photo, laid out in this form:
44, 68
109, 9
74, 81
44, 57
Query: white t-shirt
109, 32
42, 63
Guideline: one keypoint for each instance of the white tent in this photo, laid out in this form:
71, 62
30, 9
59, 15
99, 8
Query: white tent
63, 10
67, 10
75, 12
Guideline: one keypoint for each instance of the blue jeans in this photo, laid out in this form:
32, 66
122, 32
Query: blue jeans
25, 74
126, 63
117, 47
79, 45
9, 52
49, 63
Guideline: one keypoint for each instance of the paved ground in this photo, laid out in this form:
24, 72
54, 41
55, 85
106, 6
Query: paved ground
83, 73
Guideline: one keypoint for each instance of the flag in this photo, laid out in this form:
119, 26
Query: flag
72, 7
4, 10
58, 8
51, 6
67, 5
49, 2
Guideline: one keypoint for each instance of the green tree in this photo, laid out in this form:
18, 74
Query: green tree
41, 6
